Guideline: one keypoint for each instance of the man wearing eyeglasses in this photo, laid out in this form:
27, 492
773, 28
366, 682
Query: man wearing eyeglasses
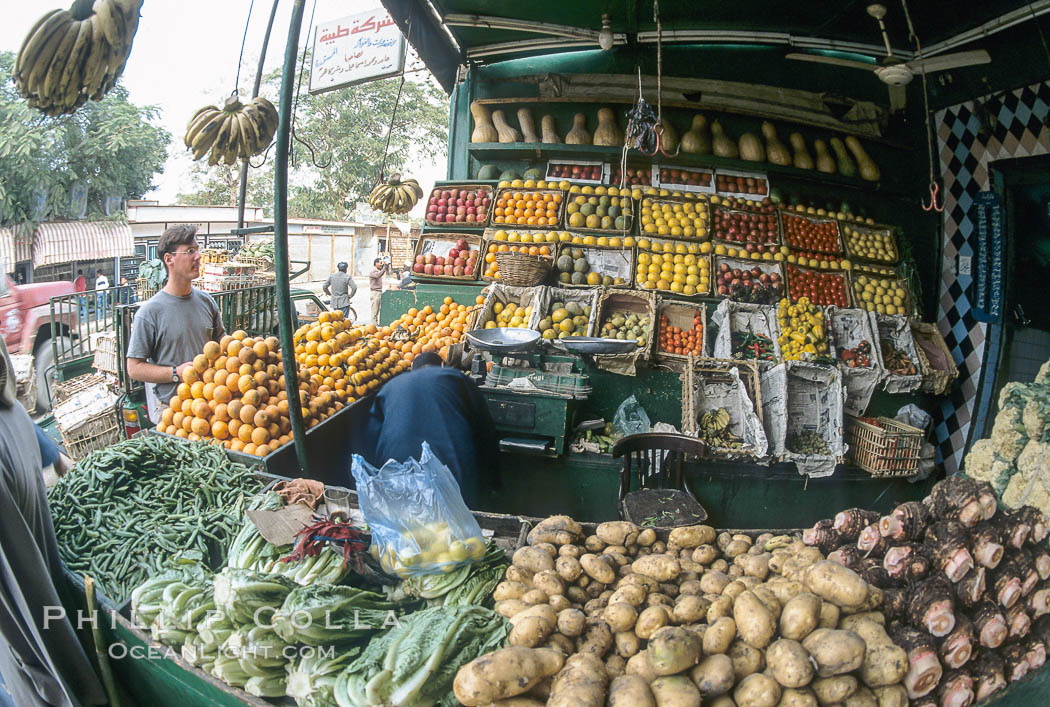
173, 326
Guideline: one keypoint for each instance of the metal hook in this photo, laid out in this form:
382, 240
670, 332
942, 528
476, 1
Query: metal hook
655, 149
935, 190
659, 130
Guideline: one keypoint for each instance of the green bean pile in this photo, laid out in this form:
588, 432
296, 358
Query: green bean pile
123, 511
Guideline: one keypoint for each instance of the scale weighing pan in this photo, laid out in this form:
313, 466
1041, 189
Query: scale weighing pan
594, 345
503, 340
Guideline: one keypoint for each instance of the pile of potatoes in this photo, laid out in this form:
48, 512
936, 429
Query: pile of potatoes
624, 618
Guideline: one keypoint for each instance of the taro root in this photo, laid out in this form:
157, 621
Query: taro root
928, 701
1016, 528
1041, 559
987, 544
908, 562
1017, 621
931, 606
1005, 584
988, 500
948, 544
849, 556
955, 498
907, 521
1036, 520
823, 535
1015, 661
851, 521
989, 622
1035, 652
871, 543
871, 571
1024, 567
957, 647
970, 589
988, 673
1038, 602
924, 669
1041, 629
895, 604
956, 689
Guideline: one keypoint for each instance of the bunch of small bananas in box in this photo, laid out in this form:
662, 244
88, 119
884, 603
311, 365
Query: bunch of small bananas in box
714, 429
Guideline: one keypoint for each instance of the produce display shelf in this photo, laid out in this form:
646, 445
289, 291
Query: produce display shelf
783, 215
474, 241
489, 189
792, 289
504, 192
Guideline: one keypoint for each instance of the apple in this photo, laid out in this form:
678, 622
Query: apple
418, 267
428, 269
449, 269
440, 260
421, 259
457, 271
453, 254
429, 259
469, 270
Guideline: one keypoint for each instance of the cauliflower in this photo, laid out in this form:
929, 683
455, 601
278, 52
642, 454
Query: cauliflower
1033, 459
1032, 418
1043, 376
978, 462
1008, 433
1013, 394
1018, 494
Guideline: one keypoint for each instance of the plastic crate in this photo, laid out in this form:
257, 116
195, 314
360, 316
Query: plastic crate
888, 448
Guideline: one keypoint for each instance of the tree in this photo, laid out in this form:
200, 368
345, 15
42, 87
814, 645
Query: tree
110, 148
347, 130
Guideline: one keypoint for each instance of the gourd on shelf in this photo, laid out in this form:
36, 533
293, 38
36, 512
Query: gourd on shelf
503, 129
608, 133
697, 140
549, 130
579, 135
776, 151
751, 148
528, 125
825, 162
721, 143
484, 130
669, 137
846, 165
869, 171
802, 159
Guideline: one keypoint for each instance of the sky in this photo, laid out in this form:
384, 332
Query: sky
185, 57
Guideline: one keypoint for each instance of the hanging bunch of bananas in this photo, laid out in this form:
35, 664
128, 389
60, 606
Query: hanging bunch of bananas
72, 55
714, 429
236, 132
395, 196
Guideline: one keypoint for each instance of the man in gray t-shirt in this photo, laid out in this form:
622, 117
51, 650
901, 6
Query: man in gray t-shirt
173, 326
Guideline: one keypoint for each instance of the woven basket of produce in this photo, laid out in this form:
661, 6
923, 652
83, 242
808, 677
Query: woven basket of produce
883, 447
935, 360
522, 269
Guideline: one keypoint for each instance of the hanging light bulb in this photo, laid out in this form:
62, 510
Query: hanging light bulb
605, 36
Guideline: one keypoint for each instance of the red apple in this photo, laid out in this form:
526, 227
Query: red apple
458, 270
418, 267
453, 254
428, 269
429, 259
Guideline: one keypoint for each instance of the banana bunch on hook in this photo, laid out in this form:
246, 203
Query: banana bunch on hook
236, 132
395, 195
70, 56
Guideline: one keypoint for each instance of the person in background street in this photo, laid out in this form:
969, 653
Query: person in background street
375, 286
101, 285
406, 281
127, 292
445, 409
341, 288
42, 661
173, 326
80, 285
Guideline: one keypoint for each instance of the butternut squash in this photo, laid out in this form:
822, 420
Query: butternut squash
802, 160
484, 131
528, 125
697, 140
721, 143
503, 129
579, 135
825, 162
669, 137
869, 171
776, 151
847, 167
549, 130
751, 148
607, 133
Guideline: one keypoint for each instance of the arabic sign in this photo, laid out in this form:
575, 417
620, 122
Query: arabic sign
355, 49
987, 284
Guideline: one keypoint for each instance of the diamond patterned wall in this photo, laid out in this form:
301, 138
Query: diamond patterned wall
1017, 130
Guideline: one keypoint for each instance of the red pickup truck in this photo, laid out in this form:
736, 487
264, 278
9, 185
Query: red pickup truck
27, 328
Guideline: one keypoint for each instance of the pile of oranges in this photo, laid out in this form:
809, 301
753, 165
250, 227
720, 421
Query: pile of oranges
492, 267
527, 208
429, 329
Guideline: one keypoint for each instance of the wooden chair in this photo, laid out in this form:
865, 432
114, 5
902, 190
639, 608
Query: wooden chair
655, 460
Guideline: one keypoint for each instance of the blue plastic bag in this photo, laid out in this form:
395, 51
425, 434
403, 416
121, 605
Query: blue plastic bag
420, 524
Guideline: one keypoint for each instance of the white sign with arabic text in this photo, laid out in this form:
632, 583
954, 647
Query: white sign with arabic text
355, 49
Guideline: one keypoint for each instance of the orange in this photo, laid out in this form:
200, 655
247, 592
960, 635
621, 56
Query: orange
247, 414
245, 369
190, 375
200, 427
234, 349
245, 383
177, 418
209, 375
233, 364
221, 393
224, 342
261, 349
234, 425
236, 445
200, 363
234, 407
272, 343
200, 408
219, 430
197, 390
240, 335
182, 392
167, 416
260, 435
244, 433
261, 419
262, 450
187, 406
181, 433
222, 412
208, 391
212, 350
249, 448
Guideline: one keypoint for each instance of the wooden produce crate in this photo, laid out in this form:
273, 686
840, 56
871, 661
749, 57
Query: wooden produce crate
603, 206
253, 261
510, 200
96, 433
615, 263
882, 446
436, 247
673, 314
481, 192
64, 390
748, 185
794, 273
854, 236
862, 277
791, 222
25, 380
143, 289
740, 319
771, 268
935, 360
739, 227
500, 295
585, 298
106, 360
574, 171
709, 384
639, 175
690, 179
543, 243
626, 303
687, 217
813, 403
667, 250
895, 331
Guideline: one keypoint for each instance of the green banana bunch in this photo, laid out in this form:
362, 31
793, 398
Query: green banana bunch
714, 429
70, 56
395, 196
236, 132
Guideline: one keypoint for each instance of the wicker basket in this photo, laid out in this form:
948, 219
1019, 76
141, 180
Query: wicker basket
522, 269
65, 390
143, 290
106, 353
889, 448
934, 380
25, 380
260, 263
96, 433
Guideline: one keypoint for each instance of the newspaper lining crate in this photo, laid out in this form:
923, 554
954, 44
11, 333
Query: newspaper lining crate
883, 447
97, 433
682, 315
65, 390
714, 375
615, 263
25, 380
618, 208
106, 353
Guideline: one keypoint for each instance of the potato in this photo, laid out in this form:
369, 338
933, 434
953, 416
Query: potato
619, 549
617, 532
534, 596
570, 551
690, 586
595, 590
746, 659
863, 697
662, 568
735, 588
561, 642
767, 597
559, 530
713, 582
689, 608
504, 673
510, 607
626, 643
518, 702
597, 638
750, 582
691, 536
690, 569
595, 607
872, 602
651, 620
581, 683
593, 543
891, 696
646, 537
836, 651
719, 565
629, 594
800, 616
835, 690
576, 595
658, 599
705, 554
509, 590
571, 622
544, 611
722, 701
531, 560
714, 675
630, 691
659, 546
548, 582
754, 621
583, 580
719, 636
755, 565
638, 664
722, 606
790, 663
516, 574
558, 602
884, 664
803, 697
615, 666
736, 547
675, 691
871, 629
618, 558
530, 632
541, 690
647, 583
597, 568
641, 550
669, 589
620, 616
673, 649
785, 589
548, 548
829, 615
757, 690
735, 572
835, 583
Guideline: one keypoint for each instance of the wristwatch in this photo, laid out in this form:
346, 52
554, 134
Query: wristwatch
174, 375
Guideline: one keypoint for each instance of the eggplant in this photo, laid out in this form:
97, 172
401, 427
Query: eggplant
1017, 621
906, 522
931, 605
924, 669
989, 674
989, 622
987, 544
957, 648
970, 589
956, 689
948, 543
1015, 661
851, 521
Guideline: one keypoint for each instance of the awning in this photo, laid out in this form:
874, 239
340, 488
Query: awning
56, 243
16, 245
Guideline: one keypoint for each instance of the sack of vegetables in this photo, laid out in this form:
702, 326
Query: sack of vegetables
420, 524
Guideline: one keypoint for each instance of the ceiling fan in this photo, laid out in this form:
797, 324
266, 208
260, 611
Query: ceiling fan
895, 72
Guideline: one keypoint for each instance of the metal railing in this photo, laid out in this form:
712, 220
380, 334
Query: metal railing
77, 319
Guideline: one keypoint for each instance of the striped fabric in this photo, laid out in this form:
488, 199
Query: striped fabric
56, 243
14, 247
